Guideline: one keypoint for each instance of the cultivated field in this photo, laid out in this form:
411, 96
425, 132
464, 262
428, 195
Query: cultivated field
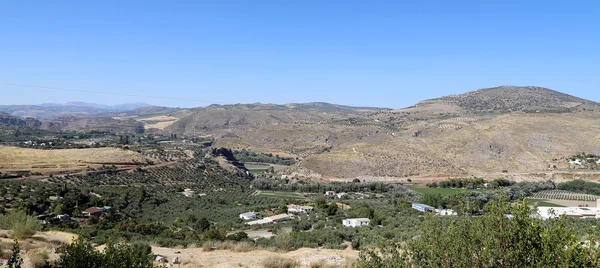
441, 191
48, 161
160, 122
565, 195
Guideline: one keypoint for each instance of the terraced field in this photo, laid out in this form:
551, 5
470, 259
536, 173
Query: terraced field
565, 195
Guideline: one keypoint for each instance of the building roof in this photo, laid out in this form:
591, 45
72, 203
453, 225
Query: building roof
358, 219
94, 210
261, 221
422, 205
279, 217
248, 214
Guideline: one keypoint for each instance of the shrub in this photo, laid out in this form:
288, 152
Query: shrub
38, 260
492, 240
207, 246
21, 224
279, 262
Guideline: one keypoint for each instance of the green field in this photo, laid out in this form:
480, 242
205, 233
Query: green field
543, 203
256, 168
442, 191
282, 195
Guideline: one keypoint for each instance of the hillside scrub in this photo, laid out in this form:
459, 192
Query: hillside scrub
492, 240
22, 225
250, 156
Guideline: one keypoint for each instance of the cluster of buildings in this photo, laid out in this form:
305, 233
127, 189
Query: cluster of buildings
333, 194
572, 212
427, 208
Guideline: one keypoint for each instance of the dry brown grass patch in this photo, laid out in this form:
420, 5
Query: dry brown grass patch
279, 262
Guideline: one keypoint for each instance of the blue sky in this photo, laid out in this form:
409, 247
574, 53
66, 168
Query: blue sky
368, 53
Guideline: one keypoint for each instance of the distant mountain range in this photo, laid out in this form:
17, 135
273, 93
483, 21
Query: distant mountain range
46, 111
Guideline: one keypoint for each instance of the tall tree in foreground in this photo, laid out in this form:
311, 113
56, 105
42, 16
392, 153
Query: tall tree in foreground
492, 240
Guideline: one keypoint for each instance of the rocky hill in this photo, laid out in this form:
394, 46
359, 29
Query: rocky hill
218, 117
496, 130
513, 98
10, 120
106, 124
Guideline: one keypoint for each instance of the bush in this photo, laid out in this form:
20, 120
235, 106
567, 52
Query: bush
279, 262
38, 259
22, 225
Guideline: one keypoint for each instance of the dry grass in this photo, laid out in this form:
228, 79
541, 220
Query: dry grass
207, 246
279, 262
37, 258
228, 245
321, 264
13, 158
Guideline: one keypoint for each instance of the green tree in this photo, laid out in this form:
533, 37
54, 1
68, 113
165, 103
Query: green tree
239, 236
203, 224
127, 256
60, 209
332, 209
79, 254
320, 202
215, 234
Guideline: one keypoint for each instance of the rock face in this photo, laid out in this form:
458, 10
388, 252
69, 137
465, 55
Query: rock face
10, 120
227, 160
106, 124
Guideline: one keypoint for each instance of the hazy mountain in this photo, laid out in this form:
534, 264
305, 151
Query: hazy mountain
48, 111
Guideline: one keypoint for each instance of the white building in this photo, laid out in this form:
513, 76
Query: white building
356, 222
248, 216
340, 195
445, 212
261, 221
330, 193
299, 209
572, 212
188, 193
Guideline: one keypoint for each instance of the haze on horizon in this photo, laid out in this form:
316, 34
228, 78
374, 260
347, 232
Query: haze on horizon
343, 52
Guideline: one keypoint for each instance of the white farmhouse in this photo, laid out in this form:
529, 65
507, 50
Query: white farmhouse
299, 209
248, 216
356, 222
329, 193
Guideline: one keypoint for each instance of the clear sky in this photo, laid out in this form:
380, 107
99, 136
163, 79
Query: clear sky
368, 53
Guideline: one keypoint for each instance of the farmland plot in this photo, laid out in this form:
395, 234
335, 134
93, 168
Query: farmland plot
565, 195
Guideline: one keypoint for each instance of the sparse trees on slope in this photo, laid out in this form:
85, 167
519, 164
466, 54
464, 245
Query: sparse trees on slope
492, 240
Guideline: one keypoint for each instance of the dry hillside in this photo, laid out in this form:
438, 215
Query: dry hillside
466, 134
